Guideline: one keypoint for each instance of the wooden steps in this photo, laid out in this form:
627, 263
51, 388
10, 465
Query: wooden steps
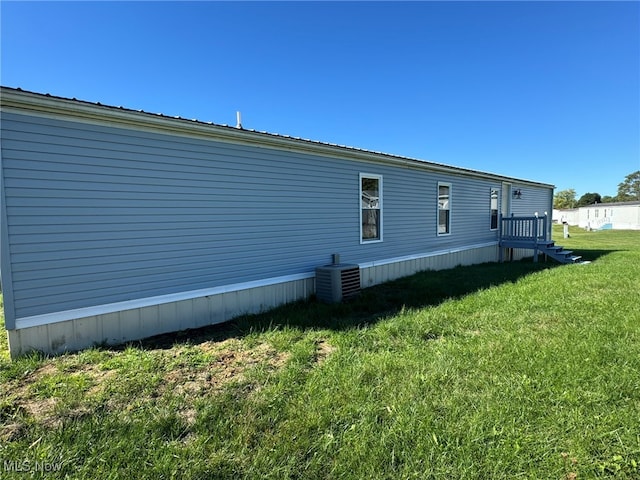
558, 253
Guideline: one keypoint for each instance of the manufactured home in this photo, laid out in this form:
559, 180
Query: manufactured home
602, 216
120, 224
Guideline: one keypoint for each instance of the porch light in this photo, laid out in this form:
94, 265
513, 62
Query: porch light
517, 194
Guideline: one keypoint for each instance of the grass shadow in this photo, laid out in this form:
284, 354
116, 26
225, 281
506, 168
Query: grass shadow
593, 255
424, 289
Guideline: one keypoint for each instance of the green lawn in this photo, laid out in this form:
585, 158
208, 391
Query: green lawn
496, 371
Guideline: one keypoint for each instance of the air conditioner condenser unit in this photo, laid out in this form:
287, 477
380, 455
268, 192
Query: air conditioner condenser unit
337, 282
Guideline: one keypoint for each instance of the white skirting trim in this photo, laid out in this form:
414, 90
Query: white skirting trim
170, 313
55, 317
420, 256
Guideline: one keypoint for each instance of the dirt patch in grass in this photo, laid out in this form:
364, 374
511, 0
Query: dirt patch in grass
27, 402
230, 364
42, 410
51, 393
12, 431
323, 350
45, 370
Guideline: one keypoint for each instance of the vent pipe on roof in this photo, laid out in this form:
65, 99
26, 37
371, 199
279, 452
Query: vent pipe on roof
238, 120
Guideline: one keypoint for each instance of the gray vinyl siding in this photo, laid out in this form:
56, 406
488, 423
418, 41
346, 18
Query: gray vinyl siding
100, 214
533, 200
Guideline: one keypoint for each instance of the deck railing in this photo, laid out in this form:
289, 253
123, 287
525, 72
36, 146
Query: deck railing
523, 232
524, 229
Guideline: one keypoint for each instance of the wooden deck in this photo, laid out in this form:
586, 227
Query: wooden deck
523, 232
532, 233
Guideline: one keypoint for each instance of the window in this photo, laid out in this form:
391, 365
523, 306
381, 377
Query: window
493, 206
370, 208
444, 208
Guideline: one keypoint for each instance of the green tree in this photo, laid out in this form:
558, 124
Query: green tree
589, 199
565, 199
629, 189
608, 199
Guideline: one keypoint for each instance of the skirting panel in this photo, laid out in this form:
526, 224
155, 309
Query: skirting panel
374, 274
137, 323
522, 253
516, 254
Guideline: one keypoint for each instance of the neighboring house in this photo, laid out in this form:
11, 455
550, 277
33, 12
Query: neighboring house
565, 215
118, 224
602, 216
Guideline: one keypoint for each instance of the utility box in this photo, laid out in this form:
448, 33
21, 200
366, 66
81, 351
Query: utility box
337, 282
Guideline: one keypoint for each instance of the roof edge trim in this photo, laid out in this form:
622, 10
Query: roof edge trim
38, 103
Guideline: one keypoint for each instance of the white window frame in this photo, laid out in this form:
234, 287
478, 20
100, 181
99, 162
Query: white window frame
444, 184
491, 190
377, 177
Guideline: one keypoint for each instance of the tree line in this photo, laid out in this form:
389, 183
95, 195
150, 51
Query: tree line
628, 190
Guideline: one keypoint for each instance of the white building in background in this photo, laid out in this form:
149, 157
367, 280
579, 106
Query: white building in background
602, 216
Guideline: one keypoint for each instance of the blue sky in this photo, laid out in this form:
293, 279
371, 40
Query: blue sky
547, 91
